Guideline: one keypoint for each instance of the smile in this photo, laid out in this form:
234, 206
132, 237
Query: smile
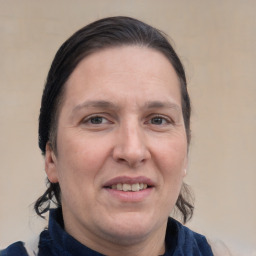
129, 187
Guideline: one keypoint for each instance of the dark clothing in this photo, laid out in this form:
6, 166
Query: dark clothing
55, 241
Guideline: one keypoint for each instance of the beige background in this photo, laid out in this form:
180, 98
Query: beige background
217, 43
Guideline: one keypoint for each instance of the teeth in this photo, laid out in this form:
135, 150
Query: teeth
129, 187
119, 186
136, 187
114, 187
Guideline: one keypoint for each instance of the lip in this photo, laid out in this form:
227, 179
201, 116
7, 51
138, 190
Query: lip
129, 180
130, 196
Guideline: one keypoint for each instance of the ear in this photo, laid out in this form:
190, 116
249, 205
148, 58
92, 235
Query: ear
51, 164
185, 167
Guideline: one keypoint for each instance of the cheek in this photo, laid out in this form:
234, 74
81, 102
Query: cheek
173, 157
172, 161
77, 172
80, 160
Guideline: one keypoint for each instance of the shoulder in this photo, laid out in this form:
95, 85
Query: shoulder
216, 247
29, 248
188, 242
15, 249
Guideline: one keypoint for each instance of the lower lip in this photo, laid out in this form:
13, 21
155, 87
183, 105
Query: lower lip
137, 196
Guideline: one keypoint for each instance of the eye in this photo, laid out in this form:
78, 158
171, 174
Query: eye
96, 120
159, 120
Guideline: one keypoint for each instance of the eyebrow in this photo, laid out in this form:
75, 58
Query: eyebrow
110, 105
95, 104
161, 104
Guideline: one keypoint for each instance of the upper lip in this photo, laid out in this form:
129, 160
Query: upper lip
129, 180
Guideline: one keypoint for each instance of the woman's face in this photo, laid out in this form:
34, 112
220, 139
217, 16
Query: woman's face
121, 143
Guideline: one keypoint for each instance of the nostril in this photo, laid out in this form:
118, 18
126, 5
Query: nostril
122, 160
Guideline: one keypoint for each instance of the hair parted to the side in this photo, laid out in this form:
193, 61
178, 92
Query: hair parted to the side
104, 33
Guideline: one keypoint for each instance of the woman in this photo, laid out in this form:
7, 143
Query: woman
114, 128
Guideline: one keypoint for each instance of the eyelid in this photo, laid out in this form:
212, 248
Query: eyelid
166, 118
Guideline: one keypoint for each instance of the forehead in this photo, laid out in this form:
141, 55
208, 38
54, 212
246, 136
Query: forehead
123, 70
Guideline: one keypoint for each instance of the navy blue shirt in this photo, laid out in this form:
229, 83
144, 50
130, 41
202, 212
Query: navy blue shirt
55, 241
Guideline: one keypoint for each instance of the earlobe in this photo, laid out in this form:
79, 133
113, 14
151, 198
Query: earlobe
185, 168
50, 164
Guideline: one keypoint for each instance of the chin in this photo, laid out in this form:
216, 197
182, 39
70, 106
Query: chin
127, 237
132, 228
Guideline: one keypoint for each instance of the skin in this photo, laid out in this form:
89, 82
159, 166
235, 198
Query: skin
121, 117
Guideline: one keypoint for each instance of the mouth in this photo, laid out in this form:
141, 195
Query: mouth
129, 184
135, 187
129, 189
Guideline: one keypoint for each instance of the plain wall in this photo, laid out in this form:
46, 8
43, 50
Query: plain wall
216, 41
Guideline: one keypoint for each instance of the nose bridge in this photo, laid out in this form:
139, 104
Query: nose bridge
131, 145
133, 137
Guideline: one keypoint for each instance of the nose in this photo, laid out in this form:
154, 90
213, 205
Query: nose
131, 147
